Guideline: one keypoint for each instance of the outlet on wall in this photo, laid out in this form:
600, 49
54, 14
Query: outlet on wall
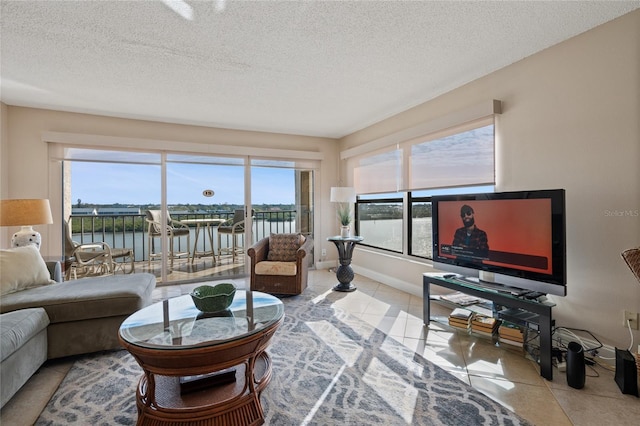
632, 318
324, 252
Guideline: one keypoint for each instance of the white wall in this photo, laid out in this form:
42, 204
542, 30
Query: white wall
570, 120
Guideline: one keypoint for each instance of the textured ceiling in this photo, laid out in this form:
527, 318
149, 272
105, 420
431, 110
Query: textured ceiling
308, 68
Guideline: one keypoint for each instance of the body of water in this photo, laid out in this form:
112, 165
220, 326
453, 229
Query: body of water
383, 233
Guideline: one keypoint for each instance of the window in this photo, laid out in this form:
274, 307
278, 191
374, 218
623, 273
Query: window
379, 221
420, 226
463, 158
379, 172
456, 160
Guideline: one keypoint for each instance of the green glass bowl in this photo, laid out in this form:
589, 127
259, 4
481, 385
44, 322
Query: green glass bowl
213, 298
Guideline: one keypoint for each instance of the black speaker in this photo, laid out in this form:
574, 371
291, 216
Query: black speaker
626, 374
575, 365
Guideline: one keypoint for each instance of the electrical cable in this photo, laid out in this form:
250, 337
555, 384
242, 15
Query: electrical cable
594, 370
570, 331
630, 345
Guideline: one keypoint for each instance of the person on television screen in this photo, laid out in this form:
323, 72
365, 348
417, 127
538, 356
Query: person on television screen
471, 239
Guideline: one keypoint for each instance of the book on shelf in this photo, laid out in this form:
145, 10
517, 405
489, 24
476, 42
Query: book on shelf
510, 329
510, 342
512, 338
460, 318
484, 326
481, 321
461, 313
484, 333
487, 329
459, 323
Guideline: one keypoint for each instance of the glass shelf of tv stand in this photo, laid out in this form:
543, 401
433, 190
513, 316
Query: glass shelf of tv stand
477, 284
538, 312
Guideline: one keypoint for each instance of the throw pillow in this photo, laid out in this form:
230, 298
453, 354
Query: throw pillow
22, 268
283, 247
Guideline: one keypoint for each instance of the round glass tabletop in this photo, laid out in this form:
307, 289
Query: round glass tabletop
177, 324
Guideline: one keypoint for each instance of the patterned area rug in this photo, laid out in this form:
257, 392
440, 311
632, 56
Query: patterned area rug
328, 368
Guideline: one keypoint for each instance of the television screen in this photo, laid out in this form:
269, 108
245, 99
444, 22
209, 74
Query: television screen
516, 234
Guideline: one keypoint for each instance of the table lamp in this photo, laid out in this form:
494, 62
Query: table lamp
344, 195
25, 213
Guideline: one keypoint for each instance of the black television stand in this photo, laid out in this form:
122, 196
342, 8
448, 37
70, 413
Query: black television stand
537, 312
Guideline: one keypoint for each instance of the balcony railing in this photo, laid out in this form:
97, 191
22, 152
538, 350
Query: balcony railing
131, 230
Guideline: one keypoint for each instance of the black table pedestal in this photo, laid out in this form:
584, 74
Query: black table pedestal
344, 273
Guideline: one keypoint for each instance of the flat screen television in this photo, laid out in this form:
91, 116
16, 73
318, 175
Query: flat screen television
516, 239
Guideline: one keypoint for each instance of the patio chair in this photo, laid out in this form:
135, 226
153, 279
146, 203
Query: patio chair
174, 229
93, 259
235, 228
280, 264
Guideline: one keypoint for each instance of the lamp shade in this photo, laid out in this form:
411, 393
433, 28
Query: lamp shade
343, 194
25, 212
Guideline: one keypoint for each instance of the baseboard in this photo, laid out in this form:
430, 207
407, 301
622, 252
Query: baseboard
389, 280
327, 264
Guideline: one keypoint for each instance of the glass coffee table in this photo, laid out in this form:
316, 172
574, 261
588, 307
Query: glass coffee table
199, 368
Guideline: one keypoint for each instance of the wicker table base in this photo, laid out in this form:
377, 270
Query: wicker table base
202, 370
228, 404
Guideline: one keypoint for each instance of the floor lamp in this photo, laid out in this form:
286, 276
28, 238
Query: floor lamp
25, 213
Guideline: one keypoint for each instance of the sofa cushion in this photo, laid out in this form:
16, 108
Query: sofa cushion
276, 268
86, 298
22, 268
283, 247
18, 327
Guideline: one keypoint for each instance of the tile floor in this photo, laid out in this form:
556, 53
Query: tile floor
502, 373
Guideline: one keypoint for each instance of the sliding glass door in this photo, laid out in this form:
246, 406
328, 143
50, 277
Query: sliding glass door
205, 194
186, 217
282, 197
105, 196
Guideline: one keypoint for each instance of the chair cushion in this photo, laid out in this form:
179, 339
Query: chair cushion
22, 268
276, 268
283, 247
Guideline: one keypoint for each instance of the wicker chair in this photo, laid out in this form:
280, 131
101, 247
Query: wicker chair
632, 257
93, 259
270, 274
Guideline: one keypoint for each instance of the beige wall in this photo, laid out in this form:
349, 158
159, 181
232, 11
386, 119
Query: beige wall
4, 162
28, 167
570, 120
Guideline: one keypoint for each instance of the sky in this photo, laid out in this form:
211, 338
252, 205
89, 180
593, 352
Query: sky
109, 183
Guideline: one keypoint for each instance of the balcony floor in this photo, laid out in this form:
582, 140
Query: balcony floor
201, 269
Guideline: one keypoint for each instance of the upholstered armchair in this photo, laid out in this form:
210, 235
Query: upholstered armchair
280, 264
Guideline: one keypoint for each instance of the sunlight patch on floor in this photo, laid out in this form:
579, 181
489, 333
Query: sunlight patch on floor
400, 396
339, 343
495, 370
